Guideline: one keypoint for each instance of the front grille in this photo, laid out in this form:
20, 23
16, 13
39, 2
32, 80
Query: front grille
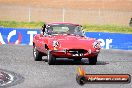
77, 51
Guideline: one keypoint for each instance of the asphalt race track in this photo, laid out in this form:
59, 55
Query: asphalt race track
19, 59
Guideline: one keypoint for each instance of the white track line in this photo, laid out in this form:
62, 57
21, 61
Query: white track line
11, 80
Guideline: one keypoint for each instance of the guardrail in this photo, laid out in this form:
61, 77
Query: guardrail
25, 36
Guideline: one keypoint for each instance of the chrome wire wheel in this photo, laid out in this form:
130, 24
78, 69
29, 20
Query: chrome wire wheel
36, 54
34, 51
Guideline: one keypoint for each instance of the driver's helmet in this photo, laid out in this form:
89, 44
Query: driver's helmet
77, 29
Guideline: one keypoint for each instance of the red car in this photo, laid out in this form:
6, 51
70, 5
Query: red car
65, 40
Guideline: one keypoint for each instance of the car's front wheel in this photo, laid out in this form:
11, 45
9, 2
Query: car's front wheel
93, 60
51, 58
36, 54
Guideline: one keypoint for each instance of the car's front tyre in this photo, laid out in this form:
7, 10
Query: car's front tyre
36, 54
51, 58
93, 60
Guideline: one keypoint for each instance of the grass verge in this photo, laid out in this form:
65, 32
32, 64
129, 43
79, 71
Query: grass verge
15, 24
108, 28
87, 27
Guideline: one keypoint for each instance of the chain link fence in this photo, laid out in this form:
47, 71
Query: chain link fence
81, 16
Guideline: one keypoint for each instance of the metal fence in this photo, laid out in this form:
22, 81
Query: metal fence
82, 16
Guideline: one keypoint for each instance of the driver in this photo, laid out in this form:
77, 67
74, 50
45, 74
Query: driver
43, 29
78, 30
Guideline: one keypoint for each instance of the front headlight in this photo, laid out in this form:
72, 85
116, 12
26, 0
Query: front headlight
96, 45
55, 43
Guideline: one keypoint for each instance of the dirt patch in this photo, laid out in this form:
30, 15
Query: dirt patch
78, 4
77, 11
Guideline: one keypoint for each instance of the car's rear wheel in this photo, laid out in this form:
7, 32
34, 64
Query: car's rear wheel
51, 58
36, 54
93, 60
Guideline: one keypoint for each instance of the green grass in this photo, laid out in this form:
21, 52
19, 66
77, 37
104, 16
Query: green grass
108, 28
87, 27
14, 24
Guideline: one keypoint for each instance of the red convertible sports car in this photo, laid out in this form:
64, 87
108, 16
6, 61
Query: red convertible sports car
64, 40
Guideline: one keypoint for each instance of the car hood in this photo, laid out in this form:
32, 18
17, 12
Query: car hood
73, 42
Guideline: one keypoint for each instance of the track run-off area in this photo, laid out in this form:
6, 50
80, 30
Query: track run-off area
18, 59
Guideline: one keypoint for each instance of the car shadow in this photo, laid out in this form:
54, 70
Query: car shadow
72, 62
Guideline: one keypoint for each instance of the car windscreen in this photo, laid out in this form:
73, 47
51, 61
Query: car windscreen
64, 29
